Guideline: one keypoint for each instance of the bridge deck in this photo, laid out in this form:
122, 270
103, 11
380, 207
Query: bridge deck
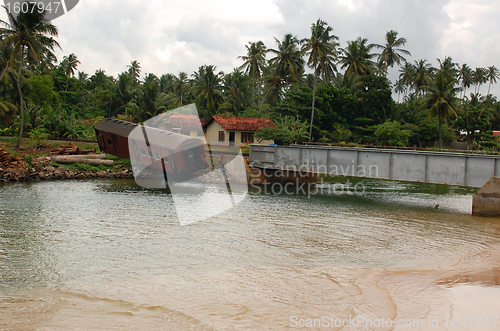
406, 165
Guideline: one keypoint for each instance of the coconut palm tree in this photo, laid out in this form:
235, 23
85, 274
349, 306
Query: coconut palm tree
356, 57
422, 76
492, 74
407, 73
288, 63
465, 76
321, 48
391, 51
254, 65
441, 101
134, 70
448, 68
208, 89
83, 77
31, 40
479, 78
181, 84
399, 87
255, 60
69, 64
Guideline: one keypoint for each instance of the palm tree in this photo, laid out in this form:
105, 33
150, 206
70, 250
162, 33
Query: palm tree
465, 75
422, 76
288, 63
31, 39
356, 57
255, 63
391, 53
321, 48
441, 101
69, 64
255, 60
208, 89
407, 73
83, 76
237, 92
399, 87
151, 99
180, 84
492, 74
479, 78
448, 68
134, 70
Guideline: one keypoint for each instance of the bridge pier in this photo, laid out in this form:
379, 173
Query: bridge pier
487, 201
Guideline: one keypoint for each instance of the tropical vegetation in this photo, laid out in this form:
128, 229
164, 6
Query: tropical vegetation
313, 88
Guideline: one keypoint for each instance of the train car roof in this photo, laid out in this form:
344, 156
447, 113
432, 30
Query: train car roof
157, 137
117, 127
169, 140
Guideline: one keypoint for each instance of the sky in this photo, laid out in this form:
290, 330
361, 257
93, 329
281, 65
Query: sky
172, 36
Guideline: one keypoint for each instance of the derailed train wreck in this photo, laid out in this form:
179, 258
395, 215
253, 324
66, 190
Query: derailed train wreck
174, 154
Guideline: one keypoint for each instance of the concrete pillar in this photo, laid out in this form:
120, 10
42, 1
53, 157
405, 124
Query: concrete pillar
487, 201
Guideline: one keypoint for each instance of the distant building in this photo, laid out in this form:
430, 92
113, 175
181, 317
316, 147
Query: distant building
497, 134
235, 131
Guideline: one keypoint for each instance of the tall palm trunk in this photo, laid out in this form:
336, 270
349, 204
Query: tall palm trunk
314, 99
21, 102
440, 135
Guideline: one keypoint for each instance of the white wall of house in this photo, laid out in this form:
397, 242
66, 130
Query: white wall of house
212, 135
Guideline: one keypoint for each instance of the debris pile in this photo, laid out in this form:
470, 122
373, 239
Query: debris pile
51, 165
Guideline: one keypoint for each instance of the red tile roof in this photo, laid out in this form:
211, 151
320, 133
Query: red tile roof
241, 123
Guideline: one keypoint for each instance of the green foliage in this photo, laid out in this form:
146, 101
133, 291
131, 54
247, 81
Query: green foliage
39, 134
290, 130
391, 133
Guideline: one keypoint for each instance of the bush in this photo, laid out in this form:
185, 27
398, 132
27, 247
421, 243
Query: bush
392, 134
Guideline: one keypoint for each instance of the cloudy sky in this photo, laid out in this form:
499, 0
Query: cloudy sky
168, 36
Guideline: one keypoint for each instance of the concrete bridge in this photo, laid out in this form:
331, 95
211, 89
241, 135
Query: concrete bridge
473, 170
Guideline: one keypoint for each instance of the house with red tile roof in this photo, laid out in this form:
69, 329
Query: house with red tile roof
235, 131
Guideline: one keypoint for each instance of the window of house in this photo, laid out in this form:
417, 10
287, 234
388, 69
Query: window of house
165, 159
143, 151
200, 133
222, 136
110, 143
247, 136
157, 156
150, 154
184, 132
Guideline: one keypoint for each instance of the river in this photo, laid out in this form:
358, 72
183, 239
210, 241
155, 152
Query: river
108, 255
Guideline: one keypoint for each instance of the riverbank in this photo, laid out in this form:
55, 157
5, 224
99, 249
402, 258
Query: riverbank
32, 162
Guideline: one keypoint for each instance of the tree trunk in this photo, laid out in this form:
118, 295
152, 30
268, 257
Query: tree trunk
314, 99
264, 97
440, 135
21, 102
4, 72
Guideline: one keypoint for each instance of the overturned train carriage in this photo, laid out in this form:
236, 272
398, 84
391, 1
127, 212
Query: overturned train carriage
157, 149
